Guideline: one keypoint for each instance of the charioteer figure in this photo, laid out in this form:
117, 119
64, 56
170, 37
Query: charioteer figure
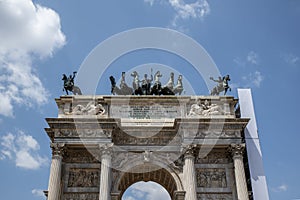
69, 84
146, 84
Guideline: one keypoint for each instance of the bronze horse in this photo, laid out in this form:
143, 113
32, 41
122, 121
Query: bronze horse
69, 85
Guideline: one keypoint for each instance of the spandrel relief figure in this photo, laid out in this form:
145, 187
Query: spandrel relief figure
205, 109
89, 109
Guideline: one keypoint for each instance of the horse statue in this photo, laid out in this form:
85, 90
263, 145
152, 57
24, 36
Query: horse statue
179, 87
157, 89
157, 84
137, 90
69, 84
222, 85
124, 88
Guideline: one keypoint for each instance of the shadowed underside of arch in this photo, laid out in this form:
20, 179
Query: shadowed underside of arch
161, 176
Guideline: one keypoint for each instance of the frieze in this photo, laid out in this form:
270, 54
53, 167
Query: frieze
211, 178
175, 160
80, 196
214, 196
213, 158
159, 139
213, 133
80, 156
82, 133
83, 178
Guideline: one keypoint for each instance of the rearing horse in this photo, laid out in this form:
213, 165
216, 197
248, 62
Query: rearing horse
69, 84
222, 85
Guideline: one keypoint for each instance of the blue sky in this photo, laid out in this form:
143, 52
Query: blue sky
256, 42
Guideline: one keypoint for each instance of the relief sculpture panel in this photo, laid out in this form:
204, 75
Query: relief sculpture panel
211, 178
83, 178
214, 197
80, 196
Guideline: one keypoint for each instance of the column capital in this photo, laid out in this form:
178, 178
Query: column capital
189, 150
237, 150
57, 149
106, 149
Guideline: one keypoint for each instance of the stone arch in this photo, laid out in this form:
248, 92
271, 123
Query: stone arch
163, 175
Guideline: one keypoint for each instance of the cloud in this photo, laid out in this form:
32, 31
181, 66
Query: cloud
23, 150
151, 2
291, 59
38, 193
253, 79
28, 32
281, 188
196, 10
253, 58
147, 191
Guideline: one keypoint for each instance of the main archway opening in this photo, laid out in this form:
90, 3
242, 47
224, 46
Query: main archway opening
147, 181
146, 190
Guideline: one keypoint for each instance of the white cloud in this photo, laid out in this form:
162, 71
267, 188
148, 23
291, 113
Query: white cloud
151, 2
253, 58
291, 59
147, 191
28, 31
253, 79
22, 149
281, 188
38, 193
198, 9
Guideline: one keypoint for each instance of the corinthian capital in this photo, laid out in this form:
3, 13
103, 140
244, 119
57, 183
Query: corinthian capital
106, 149
189, 150
57, 149
237, 150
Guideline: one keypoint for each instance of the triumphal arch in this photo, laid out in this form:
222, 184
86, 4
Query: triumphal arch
191, 145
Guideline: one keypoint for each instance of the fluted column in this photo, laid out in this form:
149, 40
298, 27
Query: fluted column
239, 171
189, 173
55, 172
105, 177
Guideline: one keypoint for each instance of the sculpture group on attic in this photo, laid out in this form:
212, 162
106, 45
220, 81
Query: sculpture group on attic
143, 87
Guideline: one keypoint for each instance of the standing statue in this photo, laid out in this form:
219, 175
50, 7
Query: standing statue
179, 87
146, 84
69, 84
222, 85
170, 83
